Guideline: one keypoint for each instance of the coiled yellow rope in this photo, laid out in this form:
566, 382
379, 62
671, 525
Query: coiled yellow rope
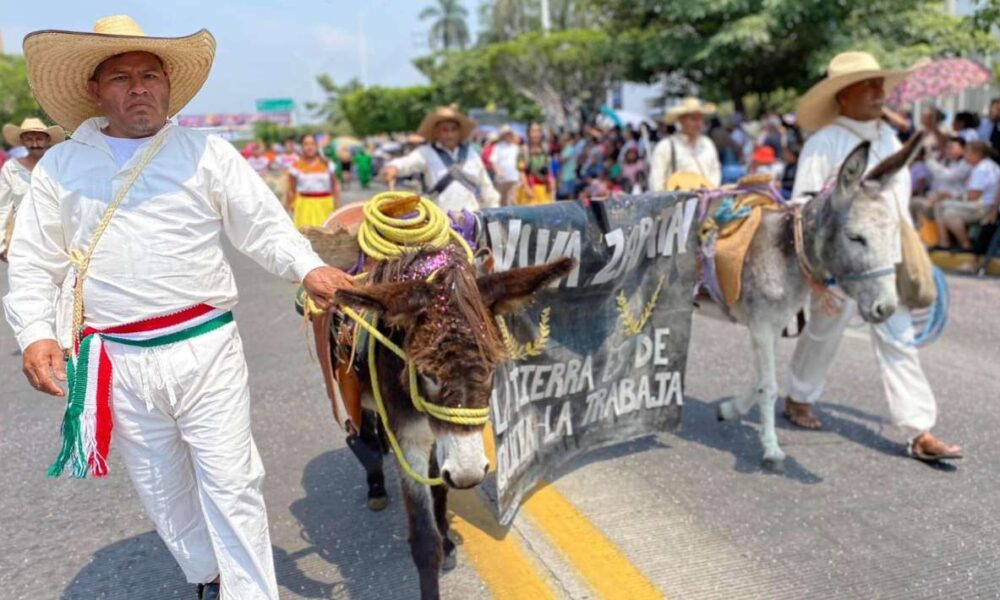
385, 236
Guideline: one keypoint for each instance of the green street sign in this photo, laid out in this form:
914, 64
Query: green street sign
275, 105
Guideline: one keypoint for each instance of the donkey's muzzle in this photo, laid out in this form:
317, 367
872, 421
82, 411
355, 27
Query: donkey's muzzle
462, 458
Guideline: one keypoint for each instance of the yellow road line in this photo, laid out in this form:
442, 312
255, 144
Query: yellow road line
593, 555
499, 560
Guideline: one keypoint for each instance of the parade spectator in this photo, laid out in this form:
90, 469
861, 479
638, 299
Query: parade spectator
947, 178
504, 157
989, 128
537, 183
632, 167
964, 125
977, 205
920, 177
931, 119
687, 150
790, 153
257, 159
764, 161
452, 173
569, 158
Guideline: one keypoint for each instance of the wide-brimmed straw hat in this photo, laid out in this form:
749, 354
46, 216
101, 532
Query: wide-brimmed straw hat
60, 63
818, 107
687, 106
445, 113
12, 133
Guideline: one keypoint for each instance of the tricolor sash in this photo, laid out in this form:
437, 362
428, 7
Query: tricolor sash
87, 423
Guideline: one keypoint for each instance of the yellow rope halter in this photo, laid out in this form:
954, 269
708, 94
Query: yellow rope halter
383, 236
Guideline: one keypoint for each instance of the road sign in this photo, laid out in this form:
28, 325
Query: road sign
275, 105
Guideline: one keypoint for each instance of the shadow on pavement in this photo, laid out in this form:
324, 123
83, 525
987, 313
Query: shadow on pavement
368, 550
137, 567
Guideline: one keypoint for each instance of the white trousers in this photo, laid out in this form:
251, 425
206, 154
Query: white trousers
911, 401
182, 426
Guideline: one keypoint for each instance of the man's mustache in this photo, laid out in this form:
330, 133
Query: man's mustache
35, 147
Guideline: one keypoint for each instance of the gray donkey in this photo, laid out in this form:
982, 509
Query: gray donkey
847, 234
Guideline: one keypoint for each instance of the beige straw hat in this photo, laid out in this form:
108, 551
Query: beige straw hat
688, 106
12, 133
60, 63
818, 107
445, 113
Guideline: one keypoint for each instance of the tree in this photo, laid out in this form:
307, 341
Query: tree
16, 101
732, 49
330, 109
449, 29
503, 20
567, 73
381, 109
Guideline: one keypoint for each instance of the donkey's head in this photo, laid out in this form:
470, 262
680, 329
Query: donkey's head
856, 231
447, 314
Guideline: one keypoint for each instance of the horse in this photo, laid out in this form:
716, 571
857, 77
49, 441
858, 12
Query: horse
847, 234
435, 308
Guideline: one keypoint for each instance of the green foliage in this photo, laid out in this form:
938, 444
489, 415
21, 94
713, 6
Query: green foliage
16, 101
273, 133
330, 109
504, 20
732, 48
382, 109
449, 29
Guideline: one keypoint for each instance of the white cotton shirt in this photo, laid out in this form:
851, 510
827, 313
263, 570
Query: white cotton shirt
425, 161
504, 158
949, 177
985, 178
161, 251
15, 180
700, 157
826, 150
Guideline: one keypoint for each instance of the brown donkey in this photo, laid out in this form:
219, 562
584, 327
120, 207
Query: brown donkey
433, 306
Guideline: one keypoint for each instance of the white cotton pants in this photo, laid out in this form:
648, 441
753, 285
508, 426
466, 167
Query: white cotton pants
911, 401
182, 426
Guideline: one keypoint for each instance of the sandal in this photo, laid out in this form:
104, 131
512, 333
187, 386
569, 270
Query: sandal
938, 450
800, 415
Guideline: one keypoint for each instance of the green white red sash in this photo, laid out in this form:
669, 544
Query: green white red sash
87, 423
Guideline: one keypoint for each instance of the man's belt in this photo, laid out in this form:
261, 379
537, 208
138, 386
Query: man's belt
87, 423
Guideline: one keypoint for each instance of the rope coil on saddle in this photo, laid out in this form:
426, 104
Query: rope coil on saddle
397, 223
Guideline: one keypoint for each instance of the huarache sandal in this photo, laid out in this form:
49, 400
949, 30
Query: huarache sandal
800, 414
932, 450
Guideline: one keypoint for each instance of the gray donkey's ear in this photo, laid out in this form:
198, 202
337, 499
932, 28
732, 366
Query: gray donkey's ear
883, 172
852, 172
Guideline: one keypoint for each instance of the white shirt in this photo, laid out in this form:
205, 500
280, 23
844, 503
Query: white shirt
124, 148
949, 177
826, 149
985, 178
702, 158
504, 158
456, 196
15, 180
161, 251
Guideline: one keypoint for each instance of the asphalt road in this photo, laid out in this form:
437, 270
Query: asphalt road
690, 511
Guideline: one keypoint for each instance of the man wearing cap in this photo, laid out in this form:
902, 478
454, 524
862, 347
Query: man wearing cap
131, 209
15, 174
687, 150
845, 109
453, 173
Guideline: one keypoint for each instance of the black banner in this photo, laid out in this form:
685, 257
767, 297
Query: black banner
600, 358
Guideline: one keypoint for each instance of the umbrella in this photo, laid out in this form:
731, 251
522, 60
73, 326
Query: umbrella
944, 77
609, 118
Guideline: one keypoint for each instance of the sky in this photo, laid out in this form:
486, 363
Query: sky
265, 49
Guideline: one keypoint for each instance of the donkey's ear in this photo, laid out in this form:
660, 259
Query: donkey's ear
398, 302
852, 171
884, 171
508, 291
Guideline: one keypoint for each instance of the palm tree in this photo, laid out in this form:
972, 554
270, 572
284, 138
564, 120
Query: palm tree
449, 29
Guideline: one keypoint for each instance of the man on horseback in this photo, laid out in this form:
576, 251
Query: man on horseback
451, 171
136, 205
845, 109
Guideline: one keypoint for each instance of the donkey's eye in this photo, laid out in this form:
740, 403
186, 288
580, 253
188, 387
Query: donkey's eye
858, 238
431, 384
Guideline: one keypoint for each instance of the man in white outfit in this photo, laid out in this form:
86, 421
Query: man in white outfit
131, 209
688, 149
845, 109
453, 173
15, 175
